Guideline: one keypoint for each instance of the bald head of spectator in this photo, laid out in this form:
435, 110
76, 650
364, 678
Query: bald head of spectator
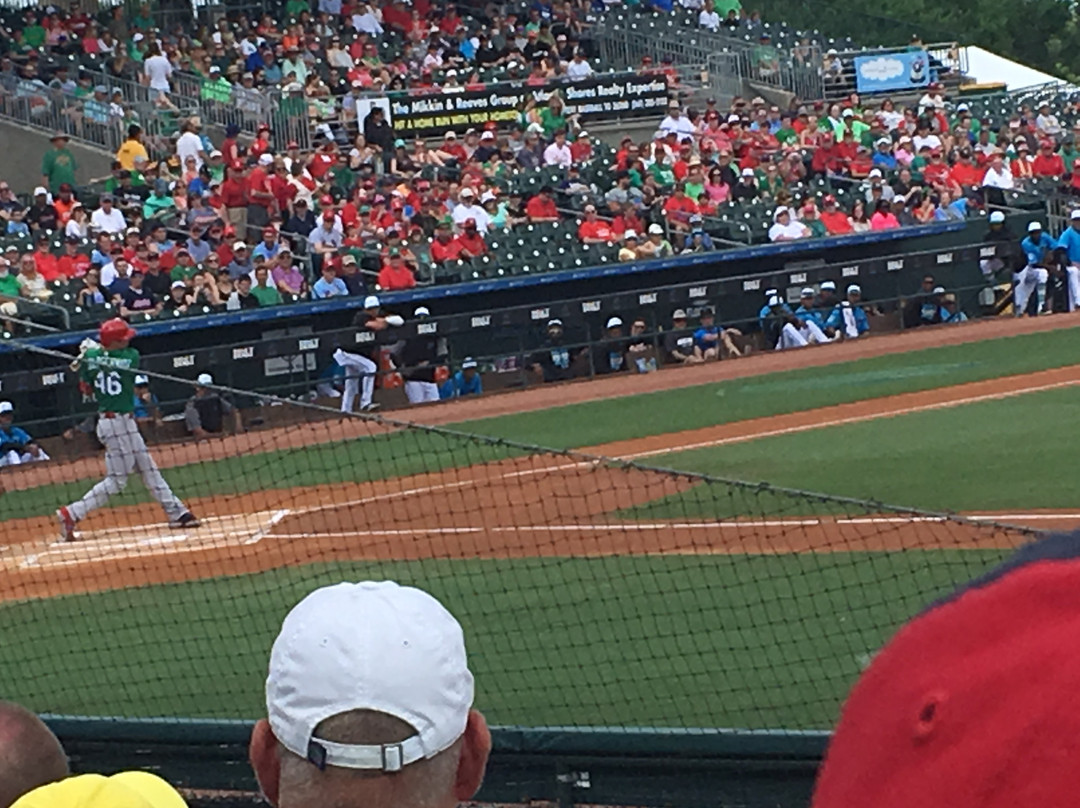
30, 755
369, 701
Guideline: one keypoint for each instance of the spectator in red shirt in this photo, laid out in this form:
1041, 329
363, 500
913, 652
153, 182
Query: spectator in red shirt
624, 218
581, 149
826, 158
594, 230
44, 261
834, 219
679, 208
937, 170
452, 147
260, 197
965, 173
470, 242
261, 144
234, 196
1046, 163
541, 208
395, 276
73, 264
445, 247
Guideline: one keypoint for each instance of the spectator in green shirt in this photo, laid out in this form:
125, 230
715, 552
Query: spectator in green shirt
265, 292
33, 33
159, 201
786, 134
553, 116
9, 285
294, 8
144, 20
809, 217
216, 88
58, 164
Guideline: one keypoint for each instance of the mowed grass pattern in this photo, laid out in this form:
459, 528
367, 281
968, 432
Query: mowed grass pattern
673, 641
1016, 454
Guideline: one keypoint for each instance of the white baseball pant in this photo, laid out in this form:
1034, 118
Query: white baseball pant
14, 458
359, 373
125, 452
1027, 280
421, 392
1073, 273
792, 337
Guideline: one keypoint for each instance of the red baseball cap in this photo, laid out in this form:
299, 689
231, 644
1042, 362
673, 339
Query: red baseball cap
329, 216
269, 231
975, 703
326, 199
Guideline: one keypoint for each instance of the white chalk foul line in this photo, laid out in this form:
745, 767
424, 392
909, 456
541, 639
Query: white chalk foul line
275, 517
851, 419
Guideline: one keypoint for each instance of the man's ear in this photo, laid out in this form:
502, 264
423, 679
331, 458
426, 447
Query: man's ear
265, 760
475, 749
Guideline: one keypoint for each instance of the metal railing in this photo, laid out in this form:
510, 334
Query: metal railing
728, 61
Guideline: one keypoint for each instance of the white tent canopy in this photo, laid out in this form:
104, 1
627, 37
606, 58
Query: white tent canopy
985, 67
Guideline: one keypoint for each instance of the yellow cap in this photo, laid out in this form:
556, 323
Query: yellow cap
124, 790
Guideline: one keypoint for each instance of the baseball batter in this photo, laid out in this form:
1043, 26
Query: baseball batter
109, 373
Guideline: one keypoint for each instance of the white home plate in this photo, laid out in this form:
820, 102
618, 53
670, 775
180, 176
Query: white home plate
140, 541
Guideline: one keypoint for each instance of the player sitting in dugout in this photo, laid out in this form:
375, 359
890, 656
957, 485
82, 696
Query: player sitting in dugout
207, 411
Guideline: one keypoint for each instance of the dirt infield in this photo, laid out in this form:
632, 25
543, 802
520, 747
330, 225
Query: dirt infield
545, 505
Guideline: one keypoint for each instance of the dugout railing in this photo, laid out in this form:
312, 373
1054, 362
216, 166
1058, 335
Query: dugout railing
298, 362
553, 766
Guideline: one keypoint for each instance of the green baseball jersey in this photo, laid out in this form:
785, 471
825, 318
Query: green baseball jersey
111, 372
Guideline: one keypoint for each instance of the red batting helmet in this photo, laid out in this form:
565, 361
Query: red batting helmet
114, 331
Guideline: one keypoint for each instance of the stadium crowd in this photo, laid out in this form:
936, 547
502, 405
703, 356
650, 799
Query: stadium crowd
228, 226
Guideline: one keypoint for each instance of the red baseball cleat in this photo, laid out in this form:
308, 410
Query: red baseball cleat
67, 524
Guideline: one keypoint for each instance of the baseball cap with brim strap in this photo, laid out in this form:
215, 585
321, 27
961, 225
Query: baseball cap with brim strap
369, 646
124, 790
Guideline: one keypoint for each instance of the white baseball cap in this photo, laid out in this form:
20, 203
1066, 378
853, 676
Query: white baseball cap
678, 314
266, 159
178, 285
371, 302
807, 291
773, 301
630, 234
854, 289
875, 172
239, 245
613, 322
5, 406
997, 216
829, 285
422, 311
468, 363
40, 190
656, 230
1034, 226
140, 379
369, 646
748, 172
204, 379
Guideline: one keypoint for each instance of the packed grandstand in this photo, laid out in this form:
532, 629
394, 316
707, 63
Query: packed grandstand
299, 154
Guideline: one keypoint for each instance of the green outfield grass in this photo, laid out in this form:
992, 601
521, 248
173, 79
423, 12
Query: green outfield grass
594, 422
683, 641
1013, 454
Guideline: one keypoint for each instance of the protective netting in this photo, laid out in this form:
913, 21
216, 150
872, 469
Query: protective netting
593, 591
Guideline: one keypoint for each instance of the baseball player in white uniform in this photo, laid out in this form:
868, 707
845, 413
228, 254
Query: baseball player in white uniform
362, 366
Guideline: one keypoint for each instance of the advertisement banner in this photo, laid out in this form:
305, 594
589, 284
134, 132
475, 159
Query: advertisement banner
608, 96
882, 72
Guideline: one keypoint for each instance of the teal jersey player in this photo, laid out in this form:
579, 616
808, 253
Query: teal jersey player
108, 373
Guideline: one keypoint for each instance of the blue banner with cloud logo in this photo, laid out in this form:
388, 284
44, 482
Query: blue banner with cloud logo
880, 72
